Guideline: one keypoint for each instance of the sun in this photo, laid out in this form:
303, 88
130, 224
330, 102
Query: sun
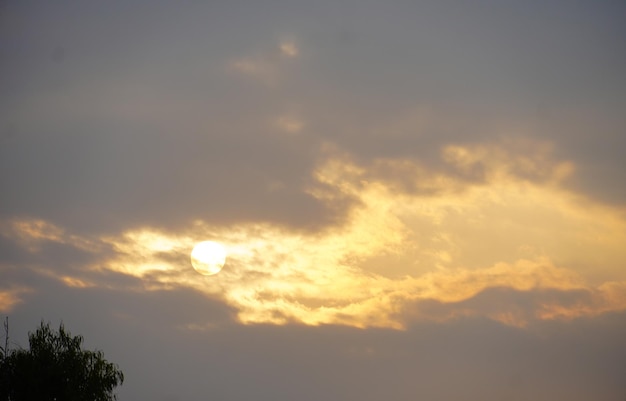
208, 257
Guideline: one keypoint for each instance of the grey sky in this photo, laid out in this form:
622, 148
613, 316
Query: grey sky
422, 199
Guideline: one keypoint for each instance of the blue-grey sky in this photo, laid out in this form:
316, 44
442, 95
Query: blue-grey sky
418, 199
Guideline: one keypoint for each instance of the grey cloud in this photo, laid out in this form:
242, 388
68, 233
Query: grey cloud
115, 179
142, 123
100, 309
490, 71
25, 261
521, 307
179, 344
51, 254
469, 359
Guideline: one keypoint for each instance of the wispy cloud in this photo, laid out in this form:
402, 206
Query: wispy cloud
267, 66
289, 48
12, 296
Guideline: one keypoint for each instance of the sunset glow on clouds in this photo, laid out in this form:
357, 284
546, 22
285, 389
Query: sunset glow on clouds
427, 197
444, 239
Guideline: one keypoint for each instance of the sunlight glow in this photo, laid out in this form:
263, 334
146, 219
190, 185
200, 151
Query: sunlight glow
208, 257
434, 251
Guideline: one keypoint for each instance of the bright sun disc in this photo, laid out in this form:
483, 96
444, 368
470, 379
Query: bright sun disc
208, 257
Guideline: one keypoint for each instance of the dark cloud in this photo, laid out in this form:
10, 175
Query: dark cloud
470, 359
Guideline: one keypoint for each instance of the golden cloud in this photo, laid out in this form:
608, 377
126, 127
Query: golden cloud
444, 239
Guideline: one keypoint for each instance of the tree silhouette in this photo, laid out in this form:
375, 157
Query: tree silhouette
56, 368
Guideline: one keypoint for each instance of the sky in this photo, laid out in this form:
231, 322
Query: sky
418, 199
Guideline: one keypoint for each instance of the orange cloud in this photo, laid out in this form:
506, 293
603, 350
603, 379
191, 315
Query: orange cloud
9, 298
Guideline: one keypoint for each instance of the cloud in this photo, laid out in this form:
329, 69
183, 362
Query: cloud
430, 242
420, 200
469, 358
517, 307
290, 124
289, 48
11, 297
267, 67
440, 237
34, 233
262, 70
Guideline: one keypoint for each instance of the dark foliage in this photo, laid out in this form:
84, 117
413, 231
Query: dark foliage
56, 368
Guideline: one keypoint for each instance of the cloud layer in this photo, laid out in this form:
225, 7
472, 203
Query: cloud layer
493, 224
418, 199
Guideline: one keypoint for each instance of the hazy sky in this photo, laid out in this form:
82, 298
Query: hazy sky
420, 200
